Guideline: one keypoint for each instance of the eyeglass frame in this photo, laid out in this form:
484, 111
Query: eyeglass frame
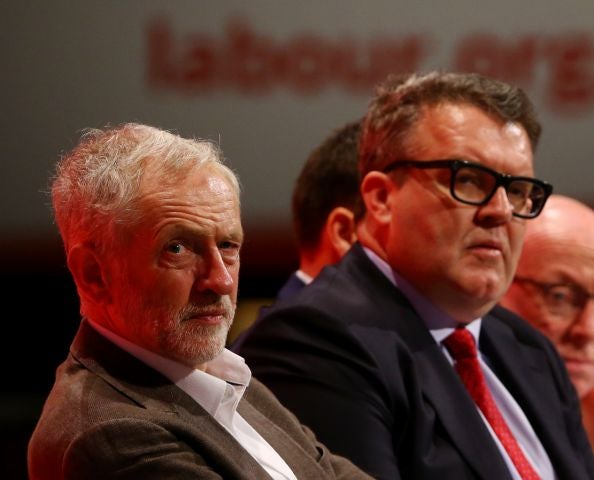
582, 295
454, 165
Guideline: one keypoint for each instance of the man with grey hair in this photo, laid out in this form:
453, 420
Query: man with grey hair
379, 353
152, 232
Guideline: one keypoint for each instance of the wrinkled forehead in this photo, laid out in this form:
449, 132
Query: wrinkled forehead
460, 129
157, 176
203, 188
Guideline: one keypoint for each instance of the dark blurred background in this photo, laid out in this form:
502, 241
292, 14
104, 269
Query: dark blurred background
268, 80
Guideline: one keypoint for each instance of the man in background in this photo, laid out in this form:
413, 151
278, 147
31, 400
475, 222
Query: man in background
554, 289
325, 200
326, 205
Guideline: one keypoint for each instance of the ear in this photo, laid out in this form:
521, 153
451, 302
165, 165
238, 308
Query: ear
375, 190
340, 227
89, 274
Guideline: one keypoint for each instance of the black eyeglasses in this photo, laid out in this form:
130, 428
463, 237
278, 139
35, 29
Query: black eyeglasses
475, 184
564, 300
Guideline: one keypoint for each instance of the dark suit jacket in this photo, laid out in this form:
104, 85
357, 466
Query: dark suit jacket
110, 416
291, 287
354, 361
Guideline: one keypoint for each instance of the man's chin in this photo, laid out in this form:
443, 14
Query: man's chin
484, 290
198, 344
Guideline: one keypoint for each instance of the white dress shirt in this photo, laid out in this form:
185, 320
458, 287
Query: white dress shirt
218, 390
304, 277
441, 325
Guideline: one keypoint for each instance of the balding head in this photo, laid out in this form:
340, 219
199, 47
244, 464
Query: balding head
564, 222
555, 275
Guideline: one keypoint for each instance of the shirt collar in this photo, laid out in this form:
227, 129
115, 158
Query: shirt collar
304, 277
439, 323
209, 388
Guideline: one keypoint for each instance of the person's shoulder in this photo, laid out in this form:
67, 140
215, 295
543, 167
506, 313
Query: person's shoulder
315, 320
322, 295
511, 327
80, 397
352, 298
261, 398
343, 286
521, 328
292, 286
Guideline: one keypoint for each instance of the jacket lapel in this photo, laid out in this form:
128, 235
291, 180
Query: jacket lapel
151, 390
458, 414
301, 463
438, 380
524, 371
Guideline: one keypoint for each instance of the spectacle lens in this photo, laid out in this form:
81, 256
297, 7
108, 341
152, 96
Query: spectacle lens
564, 300
475, 184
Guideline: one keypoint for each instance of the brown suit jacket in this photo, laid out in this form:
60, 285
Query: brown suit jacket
111, 416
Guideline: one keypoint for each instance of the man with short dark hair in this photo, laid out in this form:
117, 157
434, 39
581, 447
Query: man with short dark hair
326, 206
379, 354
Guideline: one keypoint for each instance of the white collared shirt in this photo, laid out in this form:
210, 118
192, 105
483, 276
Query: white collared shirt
441, 325
218, 390
304, 277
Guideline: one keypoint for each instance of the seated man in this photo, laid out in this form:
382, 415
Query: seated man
152, 232
325, 202
379, 353
554, 289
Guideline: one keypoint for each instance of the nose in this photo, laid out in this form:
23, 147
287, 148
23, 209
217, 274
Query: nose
582, 329
498, 209
214, 275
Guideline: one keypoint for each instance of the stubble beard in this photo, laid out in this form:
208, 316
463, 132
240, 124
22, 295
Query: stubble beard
177, 334
194, 343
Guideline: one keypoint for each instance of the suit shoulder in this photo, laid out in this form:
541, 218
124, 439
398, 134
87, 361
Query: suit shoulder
521, 327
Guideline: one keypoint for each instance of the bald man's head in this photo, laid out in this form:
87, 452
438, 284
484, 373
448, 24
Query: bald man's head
555, 281
564, 222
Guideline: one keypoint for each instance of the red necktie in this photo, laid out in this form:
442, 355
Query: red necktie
462, 348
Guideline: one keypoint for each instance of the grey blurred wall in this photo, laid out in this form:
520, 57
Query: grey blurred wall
269, 79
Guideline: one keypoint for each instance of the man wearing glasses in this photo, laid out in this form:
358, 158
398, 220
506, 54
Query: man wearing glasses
554, 289
379, 354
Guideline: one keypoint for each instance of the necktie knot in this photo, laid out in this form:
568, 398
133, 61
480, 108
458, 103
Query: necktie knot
461, 344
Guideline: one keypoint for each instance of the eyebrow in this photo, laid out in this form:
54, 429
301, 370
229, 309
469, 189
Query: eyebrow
236, 235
